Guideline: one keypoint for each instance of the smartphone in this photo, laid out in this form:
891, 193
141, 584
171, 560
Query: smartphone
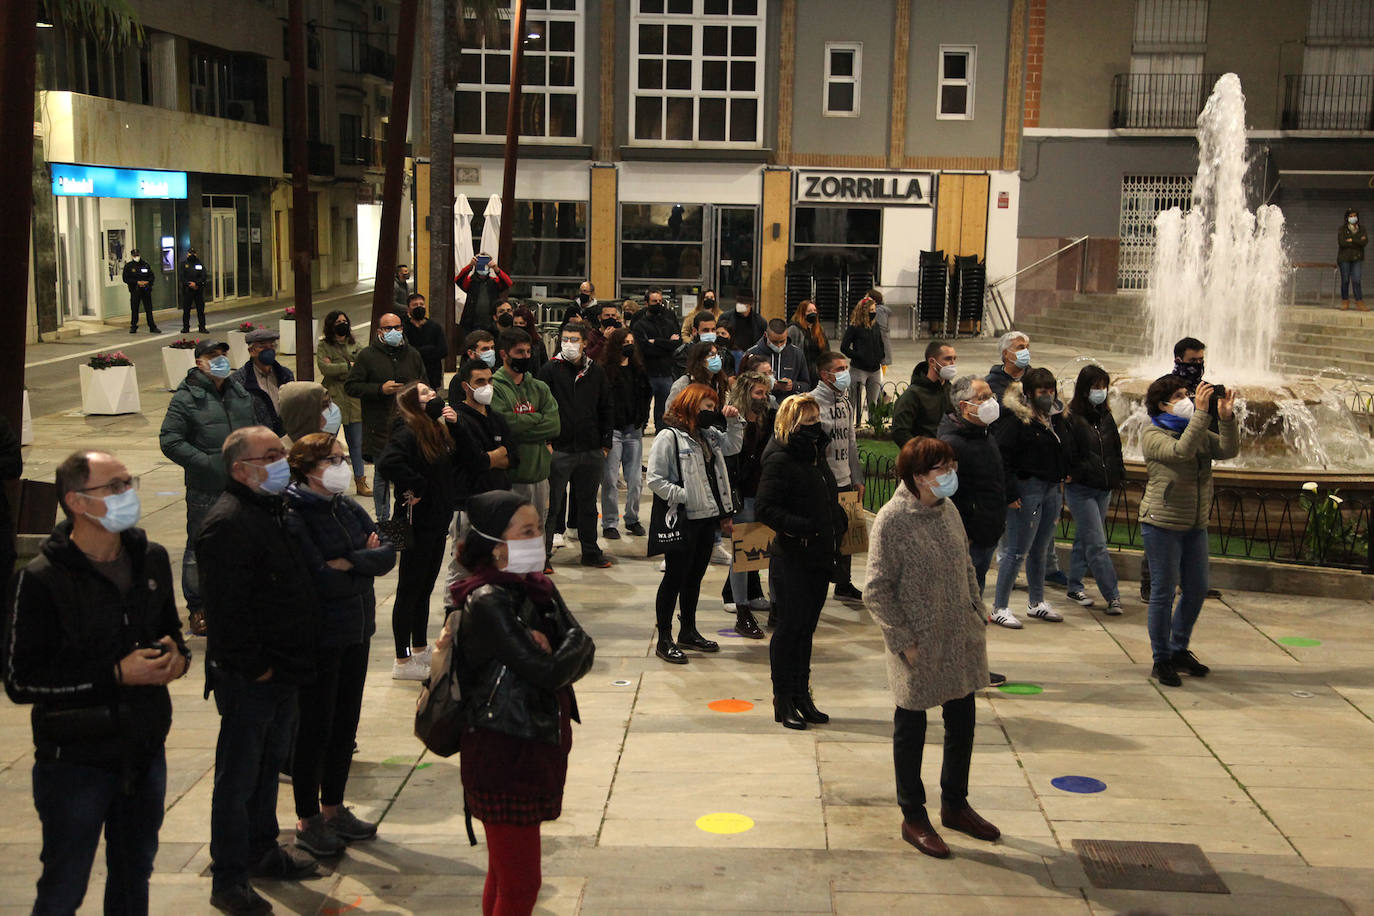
160, 648
482, 261
1218, 393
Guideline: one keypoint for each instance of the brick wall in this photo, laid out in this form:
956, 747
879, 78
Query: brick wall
1035, 62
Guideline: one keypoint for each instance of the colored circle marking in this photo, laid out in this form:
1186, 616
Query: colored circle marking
725, 822
343, 909
620, 683
729, 632
1021, 690
1084, 785
730, 705
1302, 641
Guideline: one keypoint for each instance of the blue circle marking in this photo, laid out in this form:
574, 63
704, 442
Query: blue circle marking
729, 632
1084, 785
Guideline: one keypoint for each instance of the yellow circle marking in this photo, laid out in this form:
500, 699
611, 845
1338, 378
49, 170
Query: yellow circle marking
725, 822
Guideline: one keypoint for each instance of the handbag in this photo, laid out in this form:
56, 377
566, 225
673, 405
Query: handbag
666, 528
399, 531
440, 713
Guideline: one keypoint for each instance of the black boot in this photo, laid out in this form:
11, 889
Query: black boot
691, 639
784, 713
806, 708
747, 626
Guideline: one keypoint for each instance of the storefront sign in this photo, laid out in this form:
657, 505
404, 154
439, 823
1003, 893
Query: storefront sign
909, 189
97, 181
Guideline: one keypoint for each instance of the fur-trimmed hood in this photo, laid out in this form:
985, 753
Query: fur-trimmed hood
1014, 401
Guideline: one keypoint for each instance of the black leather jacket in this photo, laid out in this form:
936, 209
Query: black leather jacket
512, 684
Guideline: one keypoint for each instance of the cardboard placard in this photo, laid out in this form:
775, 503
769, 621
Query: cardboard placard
750, 544
856, 537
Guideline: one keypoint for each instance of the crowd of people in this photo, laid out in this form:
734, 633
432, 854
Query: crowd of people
754, 421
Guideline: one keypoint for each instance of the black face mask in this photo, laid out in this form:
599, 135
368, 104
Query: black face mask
435, 408
758, 405
609, 323
812, 433
583, 298
505, 320
418, 314
520, 364
709, 303
812, 318
627, 351
656, 305
1190, 372
713, 418
341, 329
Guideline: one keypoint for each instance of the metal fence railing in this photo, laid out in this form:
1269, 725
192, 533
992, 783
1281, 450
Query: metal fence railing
1328, 101
1159, 100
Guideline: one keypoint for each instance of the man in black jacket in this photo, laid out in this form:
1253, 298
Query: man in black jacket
927, 399
260, 648
657, 336
583, 441
788, 362
382, 369
93, 641
263, 377
139, 277
483, 448
427, 337
194, 276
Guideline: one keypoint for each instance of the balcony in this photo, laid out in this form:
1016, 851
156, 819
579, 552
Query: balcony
1320, 101
319, 155
1159, 101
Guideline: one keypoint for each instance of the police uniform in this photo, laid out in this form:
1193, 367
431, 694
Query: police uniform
193, 272
139, 277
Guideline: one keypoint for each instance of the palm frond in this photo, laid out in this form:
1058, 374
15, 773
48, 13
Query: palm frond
112, 22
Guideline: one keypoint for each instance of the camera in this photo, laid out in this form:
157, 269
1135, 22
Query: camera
1218, 393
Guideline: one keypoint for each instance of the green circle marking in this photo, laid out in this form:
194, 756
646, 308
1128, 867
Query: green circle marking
1303, 641
1021, 690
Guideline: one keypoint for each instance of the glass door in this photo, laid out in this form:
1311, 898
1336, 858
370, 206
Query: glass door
223, 261
735, 242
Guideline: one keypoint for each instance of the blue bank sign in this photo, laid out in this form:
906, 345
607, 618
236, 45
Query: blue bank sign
96, 181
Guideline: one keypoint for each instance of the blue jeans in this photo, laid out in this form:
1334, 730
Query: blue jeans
1089, 508
198, 503
660, 385
1029, 530
381, 497
982, 559
353, 437
75, 803
257, 727
627, 454
1352, 273
1176, 558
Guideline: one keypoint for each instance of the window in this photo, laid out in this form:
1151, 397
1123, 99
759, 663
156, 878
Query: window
696, 73
843, 71
351, 148
954, 99
661, 242
550, 240
551, 78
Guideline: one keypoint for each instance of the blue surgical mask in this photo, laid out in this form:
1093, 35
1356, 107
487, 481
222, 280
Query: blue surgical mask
1023, 358
220, 368
713, 364
333, 419
393, 337
121, 511
278, 476
267, 357
1097, 396
707, 337
842, 380
945, 485
488, 357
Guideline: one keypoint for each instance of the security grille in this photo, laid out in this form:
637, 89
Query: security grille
1143, 197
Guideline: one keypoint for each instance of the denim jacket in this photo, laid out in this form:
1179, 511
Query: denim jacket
680, 476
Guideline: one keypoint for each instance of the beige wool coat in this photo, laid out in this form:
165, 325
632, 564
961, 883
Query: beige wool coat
923, 591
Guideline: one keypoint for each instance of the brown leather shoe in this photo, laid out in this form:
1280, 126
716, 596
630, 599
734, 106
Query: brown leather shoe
923, 836
360, 483
966, 820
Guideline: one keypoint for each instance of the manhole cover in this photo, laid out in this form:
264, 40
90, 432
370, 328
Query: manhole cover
1130, 866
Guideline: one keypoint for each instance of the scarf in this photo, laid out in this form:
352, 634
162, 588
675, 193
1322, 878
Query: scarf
1170, 422
537, 586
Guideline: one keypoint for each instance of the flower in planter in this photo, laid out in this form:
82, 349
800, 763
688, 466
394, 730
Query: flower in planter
186, 343
291, 313
247, 326
109, 360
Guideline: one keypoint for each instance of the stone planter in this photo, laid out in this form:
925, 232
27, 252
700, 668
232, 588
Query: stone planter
238, 348
176, 362
287, 328
109, 391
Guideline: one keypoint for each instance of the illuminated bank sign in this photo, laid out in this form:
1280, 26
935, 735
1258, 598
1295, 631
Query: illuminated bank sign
907, 189
97, 181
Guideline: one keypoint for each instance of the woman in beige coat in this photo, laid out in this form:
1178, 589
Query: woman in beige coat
335, 354
924, 594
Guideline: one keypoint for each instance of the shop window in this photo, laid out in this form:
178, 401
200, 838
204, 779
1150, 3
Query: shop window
661, 242
696, 73
843, 73
551, 78
550, 239
954, 98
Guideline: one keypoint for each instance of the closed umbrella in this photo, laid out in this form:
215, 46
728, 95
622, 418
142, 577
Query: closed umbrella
491, 229
462, 240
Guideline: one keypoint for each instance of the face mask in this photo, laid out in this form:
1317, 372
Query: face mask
1097, 396
525, 556
1352, 220
707, 418
488, 357
583, 298
278, 476
1023, 358
655, 305
520, 364
417, 313
267, 357
627, 350
948, 372
336, 478
741, 309
945, 485
811, 432
758, 405
333, 419
341, 330
1183, 408
776, 348
121, 511
434, 409
989, 411
842, 380
220, 368
1189, 372
483, 394
505, 319
609, 323
707, 337
1044, 403
393, 337
572, 351
713, 364
812, 318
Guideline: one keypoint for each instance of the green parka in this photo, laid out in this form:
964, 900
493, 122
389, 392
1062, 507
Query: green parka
531, 412
335, 361
1178, 495
199, 418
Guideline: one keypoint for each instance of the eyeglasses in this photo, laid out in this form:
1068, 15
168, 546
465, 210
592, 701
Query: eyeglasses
274, 455
116, 487
333, 460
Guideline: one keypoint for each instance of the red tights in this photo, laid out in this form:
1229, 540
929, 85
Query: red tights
513, 876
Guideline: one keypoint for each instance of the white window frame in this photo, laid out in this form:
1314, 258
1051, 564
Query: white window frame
855, 80
970, 81
498, 131
698, 20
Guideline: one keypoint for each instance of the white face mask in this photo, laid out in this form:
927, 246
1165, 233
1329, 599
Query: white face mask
525, 556
989, 411
741, 308
483, 395
948, 372
1352, 220
336, 478
1183, 407
572, 351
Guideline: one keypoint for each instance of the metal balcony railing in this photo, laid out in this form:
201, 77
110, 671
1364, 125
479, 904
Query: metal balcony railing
1326, 101
1159, 100
320, 157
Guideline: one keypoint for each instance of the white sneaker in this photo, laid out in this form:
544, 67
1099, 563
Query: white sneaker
1043, 611
720, 556
409, 669
558, 541
1004, 618
662, 565
424, 656
1114, 607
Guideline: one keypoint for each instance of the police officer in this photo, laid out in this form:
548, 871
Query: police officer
139, 277
193, 278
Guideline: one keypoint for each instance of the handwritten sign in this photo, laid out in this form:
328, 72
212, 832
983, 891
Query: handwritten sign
856, 538
750, 543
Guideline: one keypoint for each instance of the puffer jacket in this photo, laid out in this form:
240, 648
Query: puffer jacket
67, 628
332, 528
199, 418
1178, 494
1029, 447
982, 496
513, 684
335, 360
1093, 446
798, 499
677, 468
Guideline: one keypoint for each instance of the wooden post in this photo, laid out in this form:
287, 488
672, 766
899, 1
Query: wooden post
395, 160
300, 197
517, 46
18, 46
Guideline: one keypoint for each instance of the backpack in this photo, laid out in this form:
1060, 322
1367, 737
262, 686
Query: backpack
441, 710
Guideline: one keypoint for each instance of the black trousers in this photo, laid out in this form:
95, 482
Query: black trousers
583, 470
141, 295
192, 298
418, 568
800, 585
682, 575
329, 711
908, 744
